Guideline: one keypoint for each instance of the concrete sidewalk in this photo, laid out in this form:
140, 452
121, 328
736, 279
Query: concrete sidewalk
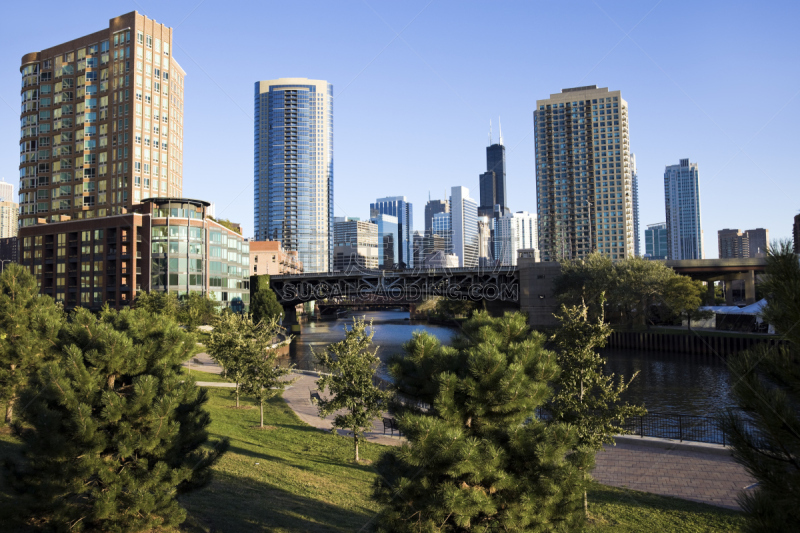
298, 398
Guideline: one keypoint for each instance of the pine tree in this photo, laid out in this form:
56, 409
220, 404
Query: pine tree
262, 378
113, 431
352, 364
228, 345
585, 396
479, 459
29, 324
765, 434
264, 303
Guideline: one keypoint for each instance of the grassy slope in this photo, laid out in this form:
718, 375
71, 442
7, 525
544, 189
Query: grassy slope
305, 481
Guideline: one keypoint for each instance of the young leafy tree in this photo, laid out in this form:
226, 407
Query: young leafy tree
113, 431
585, 396
264, 303
684, 296
479, 459
195, 310
231, 347
352, 364
29, 325
767, 389
158, 303
263, 378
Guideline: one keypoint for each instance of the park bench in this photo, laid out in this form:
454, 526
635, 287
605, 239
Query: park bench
391, 424
315, 397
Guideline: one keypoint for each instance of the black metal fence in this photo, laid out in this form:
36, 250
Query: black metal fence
678, 427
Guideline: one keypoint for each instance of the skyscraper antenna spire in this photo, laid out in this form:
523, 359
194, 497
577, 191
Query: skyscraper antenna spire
490, 132
500, 127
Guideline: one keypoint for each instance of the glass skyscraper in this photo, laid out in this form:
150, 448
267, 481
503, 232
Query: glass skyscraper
293, 174
464, 225
398, 206
682, 199
655, 241
388, 233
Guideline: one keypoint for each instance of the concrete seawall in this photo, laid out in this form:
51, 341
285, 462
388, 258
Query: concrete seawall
690, 344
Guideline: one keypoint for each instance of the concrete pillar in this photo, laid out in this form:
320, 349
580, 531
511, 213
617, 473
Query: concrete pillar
711, 297
290, 321
750, 287
728, 292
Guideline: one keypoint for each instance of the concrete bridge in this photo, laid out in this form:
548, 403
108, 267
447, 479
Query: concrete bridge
527, 287
711, 270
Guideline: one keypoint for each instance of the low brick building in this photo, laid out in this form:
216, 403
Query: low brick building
163, 244
269, 257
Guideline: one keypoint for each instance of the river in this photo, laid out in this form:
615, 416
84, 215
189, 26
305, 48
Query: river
669, 383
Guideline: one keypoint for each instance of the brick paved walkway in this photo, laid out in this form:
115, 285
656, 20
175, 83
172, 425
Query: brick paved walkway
298, 399
703, 477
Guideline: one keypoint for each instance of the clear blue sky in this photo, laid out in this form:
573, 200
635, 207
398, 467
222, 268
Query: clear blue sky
716, 82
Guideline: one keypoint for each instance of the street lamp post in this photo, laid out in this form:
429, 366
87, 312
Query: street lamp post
3, 264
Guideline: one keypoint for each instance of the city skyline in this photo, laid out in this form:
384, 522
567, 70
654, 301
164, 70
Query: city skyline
650, 74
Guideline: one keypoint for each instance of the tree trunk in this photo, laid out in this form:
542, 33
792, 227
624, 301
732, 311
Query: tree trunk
355, 438
10, 410
585, 499
261, 406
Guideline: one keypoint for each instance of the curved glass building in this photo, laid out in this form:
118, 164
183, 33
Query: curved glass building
293, 174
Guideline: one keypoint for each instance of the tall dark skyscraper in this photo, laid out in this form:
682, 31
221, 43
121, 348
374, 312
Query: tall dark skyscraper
493, 181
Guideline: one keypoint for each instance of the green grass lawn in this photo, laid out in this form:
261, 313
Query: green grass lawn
296, 478
204, 376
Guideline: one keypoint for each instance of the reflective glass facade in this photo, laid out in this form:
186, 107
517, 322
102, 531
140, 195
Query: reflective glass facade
293, 174
398, 206
388, 239
190, 253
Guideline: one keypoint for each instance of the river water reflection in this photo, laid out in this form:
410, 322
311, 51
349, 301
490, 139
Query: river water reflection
667, 383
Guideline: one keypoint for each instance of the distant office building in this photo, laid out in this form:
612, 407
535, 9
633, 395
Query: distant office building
682, 199
656, 244
583, 175
419, 248
9, 251
9, 212
6, 192
759, 242
733, 244
439, 259
431, 208
492, 183
355, 245
514, 232
635, 193
269, 257
163, 244
485, 241
443, 229
796, 234
398, 206
293, 182
388, 230
101, 122
464, 220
